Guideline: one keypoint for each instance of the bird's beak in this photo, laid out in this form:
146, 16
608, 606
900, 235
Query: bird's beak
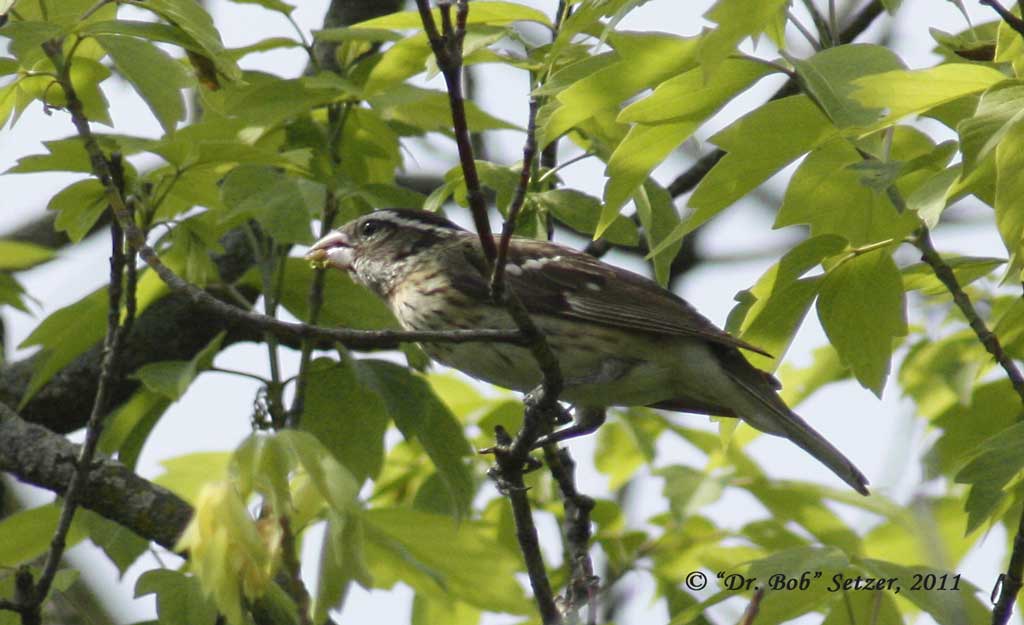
334, 250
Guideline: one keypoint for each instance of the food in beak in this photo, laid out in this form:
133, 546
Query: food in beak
331, 251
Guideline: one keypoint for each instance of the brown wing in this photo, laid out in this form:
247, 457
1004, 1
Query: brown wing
555, 280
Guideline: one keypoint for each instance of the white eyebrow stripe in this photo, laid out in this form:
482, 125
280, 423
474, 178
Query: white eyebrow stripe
411, 223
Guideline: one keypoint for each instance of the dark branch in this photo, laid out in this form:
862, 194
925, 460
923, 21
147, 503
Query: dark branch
94, 427
1010, 583
512, 457
1011, 20
583, 584
39, 457
447, 48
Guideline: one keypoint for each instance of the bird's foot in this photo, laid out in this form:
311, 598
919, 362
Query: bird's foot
587, 420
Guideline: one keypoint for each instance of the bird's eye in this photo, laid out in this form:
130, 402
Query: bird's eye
370, 228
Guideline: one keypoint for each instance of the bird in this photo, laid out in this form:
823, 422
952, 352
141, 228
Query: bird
620, 338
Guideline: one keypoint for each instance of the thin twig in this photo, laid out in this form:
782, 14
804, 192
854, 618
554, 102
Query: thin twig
923, 242
1011, 20
94, 427
1009, 584
509, 227
447, 48
583, 584
293, 570
316, 300
511, 455
752, 608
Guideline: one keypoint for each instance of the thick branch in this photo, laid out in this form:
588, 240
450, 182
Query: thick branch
39, 457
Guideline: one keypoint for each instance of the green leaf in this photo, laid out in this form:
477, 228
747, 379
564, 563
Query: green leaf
995, 465
333, 480
346, 415
657, 214
689, 490
930, 532
862, 309
341, 562
967, 269
180, 599
1010, 193
442, 558
191, 18
171, 378
581, 212
994, 407
121, 545
829, 77
644, 60
8, 66
483, 12
904, 92
618, 455
947, 607
357, 33
770, 313
158, 78
998, 110
26, 534
79, 207
273, 5
64, 335
149, 31
757, 146
17, 255
130, 424
737, 20
428, 110
932, 197
12, 293
829, 196
62, 155
187, 474
421, 416
431, 610
690, 97
645, 146
272, 198
270, 101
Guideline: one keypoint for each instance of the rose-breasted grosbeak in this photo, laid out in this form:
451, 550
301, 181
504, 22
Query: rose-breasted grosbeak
620, 339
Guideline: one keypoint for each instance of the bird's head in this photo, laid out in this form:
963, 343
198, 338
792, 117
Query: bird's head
380, 247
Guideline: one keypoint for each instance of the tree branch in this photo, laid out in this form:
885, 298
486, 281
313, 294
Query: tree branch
94, 427
1011, 20
447, 48
512, 456
583, 584
1009, 583
39, 457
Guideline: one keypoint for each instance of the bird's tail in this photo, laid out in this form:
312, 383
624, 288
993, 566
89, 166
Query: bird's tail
762, 408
